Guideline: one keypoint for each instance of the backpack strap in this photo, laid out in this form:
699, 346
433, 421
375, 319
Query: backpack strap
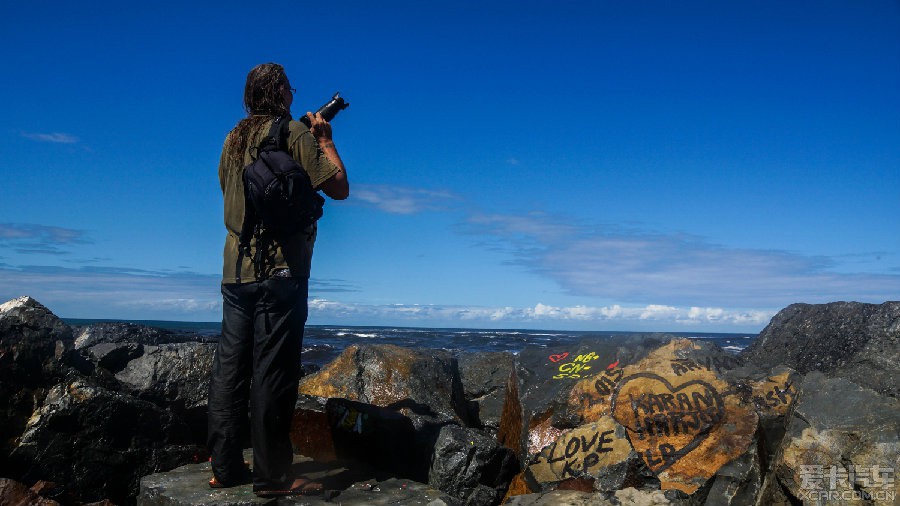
278, 135
275, 140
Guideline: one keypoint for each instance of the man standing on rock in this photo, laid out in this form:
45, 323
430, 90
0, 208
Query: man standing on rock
264, 308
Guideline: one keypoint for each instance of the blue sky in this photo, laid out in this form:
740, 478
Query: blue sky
646, 165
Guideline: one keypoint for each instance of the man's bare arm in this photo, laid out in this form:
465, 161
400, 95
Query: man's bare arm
337, 186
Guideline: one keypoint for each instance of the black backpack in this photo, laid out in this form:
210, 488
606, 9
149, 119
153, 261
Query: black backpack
279, 199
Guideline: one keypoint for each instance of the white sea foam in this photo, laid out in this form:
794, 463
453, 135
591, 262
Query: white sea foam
356, 334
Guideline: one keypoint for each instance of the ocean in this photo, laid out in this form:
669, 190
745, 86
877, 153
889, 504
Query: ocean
323, 343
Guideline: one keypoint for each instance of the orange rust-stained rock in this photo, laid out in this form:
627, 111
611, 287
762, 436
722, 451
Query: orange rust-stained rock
14, 493
312, 432
590, 398
518, 486
511, 424
681, 416
406, 379
774, 395
556, 387
579, 484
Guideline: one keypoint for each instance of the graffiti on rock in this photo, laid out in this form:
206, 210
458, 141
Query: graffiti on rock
667, 421
575, 454
578, 367
681, 366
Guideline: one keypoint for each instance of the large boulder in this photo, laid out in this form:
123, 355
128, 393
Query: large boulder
421, 384
681, 416
597, 453
484, 377
334, 429
539, 395
386, 406
175, 377
655, 416
842, 444
857, 341
471, 466
32, 343
98, 443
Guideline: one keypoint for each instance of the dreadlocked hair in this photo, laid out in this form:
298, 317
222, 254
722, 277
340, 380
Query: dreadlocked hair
263, 100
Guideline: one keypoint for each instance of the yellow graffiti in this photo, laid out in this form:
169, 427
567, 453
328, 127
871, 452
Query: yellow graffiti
578, 367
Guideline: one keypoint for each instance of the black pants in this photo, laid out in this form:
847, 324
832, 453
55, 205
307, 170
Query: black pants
257, 363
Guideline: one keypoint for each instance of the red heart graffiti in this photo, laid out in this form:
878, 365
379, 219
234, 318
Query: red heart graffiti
558, 357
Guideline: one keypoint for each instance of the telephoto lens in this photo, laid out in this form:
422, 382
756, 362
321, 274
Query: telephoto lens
329, 110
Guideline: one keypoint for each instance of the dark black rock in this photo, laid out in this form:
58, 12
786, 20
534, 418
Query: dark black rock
739, 482
98, 443
120, 332
483, 377
381, 437
174, 377
32, 339
471, 466
32, 342
115, 356
842, 339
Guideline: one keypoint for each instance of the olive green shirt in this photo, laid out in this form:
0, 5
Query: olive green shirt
294, 253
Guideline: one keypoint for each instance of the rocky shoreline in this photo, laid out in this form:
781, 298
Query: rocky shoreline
808, 414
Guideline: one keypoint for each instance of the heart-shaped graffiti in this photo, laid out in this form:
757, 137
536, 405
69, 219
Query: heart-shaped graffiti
665, 422
558, 356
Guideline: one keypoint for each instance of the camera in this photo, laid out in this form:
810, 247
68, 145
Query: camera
329, 110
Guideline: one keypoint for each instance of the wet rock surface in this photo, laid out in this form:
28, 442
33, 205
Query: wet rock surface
471, 466
86, 437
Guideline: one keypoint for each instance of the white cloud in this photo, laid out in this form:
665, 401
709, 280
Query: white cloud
28, 238
675, 269
56, 137
539, 315
92, 292
401, 200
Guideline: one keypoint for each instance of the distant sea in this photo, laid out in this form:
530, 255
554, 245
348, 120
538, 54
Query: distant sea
323, 343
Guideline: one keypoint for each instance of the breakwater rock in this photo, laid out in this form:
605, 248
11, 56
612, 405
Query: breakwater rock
116, 413
852, 340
